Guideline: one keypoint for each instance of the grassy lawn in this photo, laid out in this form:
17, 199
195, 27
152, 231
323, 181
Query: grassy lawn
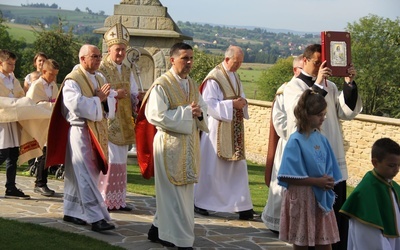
20, 31
20, 235
249, 74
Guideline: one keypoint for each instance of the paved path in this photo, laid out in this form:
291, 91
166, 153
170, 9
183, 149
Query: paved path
217, 231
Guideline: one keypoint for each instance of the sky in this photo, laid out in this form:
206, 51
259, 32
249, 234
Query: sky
302, 16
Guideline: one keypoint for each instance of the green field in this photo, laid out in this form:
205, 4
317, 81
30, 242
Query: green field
21, 31
68, 17
249, 74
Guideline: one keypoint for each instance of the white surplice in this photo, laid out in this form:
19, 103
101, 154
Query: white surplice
82, 199
272, 210
337, 110
223, 185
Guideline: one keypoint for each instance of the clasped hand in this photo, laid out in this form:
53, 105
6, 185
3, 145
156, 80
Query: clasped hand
103, 92
196, 110
326, 182
239, 103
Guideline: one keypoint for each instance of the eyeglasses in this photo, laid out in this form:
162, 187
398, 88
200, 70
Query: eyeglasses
316, 63
298, 67
96, 57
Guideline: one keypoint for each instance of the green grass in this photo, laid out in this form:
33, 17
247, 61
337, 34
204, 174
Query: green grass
69, 17
22, 235
21, 31
249, 74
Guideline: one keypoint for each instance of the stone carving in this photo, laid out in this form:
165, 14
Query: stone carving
142, 2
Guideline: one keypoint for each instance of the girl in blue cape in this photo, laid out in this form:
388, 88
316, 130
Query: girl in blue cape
308, 173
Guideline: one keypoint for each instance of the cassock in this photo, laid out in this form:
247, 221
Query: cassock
82, 198
176, 154
223, 184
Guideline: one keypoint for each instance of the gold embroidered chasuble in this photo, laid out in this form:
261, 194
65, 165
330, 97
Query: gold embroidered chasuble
97, 129
121, 128
181, 151
230, 135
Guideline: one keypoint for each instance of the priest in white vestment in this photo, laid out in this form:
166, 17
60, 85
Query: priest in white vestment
82, 129
175, 107
223, 183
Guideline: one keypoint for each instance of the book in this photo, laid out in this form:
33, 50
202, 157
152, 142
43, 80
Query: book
336, 50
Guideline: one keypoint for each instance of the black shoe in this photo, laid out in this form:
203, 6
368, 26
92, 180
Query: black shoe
246, 215
201, 211
45, 191
102, 225
127, 209
152, 236
16, 193
74, 220
274, 231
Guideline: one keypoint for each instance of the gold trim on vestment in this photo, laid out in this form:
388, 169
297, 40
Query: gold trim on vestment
181, 152
230, 135
121, 129
99, 128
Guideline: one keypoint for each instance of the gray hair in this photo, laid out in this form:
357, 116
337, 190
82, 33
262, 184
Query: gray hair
233, 50
84, 51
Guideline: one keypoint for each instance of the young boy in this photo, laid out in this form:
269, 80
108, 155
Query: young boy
373, 206
9, 132
44, 90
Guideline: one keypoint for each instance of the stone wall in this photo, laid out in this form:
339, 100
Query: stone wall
359, 135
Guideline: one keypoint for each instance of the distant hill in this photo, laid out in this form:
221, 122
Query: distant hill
261, 45
296, 32
50, 16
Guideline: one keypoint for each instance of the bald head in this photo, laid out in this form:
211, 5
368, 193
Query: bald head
89, 57
233, 58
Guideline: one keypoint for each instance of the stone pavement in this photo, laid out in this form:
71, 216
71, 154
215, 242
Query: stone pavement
217, 231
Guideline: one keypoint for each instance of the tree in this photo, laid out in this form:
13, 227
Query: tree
376, 56
203, 63
271, 79
60, 46
7, 42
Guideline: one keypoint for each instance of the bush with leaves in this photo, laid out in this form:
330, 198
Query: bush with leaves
203, 63
376, 56
60, 46
272, 78
16, 46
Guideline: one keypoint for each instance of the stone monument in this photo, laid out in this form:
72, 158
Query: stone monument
152, 33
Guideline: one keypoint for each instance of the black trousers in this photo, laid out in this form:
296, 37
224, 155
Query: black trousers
10, 156
42, 172
342, 222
